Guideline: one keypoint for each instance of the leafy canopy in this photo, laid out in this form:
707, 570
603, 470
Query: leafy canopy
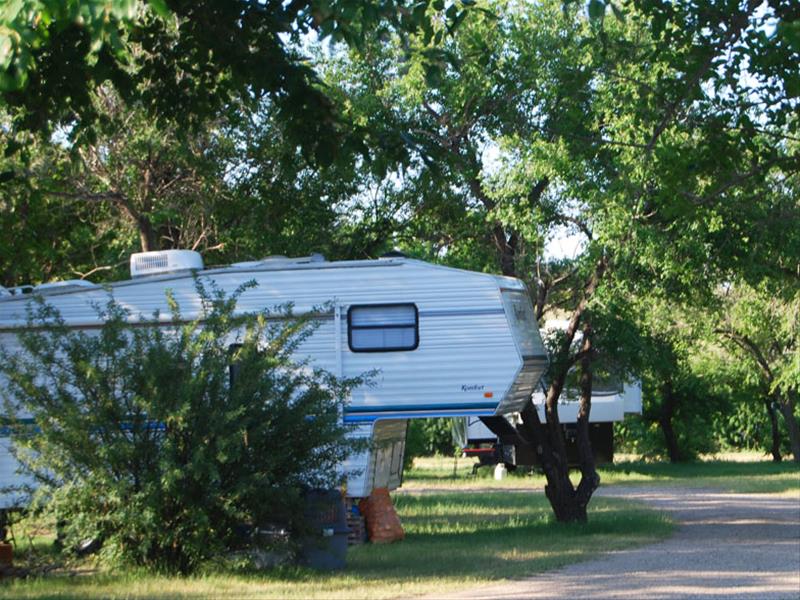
188, 58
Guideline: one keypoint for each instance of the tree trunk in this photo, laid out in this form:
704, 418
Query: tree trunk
590, 479
786, 405
668, 405
786, 402
506, 248
548, 439
569, 504
147, 236
776, 433
559, 489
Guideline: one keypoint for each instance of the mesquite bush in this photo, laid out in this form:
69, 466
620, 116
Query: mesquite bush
166, 442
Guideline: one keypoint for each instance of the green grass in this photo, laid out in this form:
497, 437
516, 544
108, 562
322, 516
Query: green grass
731, 476
749, 476
453, 540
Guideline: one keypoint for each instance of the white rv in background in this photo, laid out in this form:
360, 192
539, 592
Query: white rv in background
445, 342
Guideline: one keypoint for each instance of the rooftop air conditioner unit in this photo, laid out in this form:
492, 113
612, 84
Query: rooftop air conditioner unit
165, 261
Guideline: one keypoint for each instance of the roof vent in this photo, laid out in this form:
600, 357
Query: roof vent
165, 261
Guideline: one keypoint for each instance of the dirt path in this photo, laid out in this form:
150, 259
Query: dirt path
726, 546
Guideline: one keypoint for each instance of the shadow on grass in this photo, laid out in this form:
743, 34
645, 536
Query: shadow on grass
489, 536
446, 536
744, 477
706, 468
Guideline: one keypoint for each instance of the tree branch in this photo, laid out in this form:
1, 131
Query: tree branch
579, 223
750, 347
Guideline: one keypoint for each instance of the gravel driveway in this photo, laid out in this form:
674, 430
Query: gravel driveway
725, 546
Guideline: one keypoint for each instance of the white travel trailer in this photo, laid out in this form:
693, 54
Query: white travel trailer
445, 342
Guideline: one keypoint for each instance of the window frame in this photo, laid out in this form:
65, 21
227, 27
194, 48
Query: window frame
388, 348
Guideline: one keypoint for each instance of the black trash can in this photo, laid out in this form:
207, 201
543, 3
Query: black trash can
325, 547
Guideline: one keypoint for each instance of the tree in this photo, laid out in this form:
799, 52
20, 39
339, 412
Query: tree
284, 203
160, 184
739, 422
45, 237
185, 60
764, 330
163, 443
627, 137
681, 401
237, 190
138, 186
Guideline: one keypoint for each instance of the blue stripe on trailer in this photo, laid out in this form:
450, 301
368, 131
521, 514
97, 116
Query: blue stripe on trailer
423, 408
372, 418
404, 413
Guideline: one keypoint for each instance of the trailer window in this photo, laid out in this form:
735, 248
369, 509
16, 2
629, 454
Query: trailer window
522, 319
383, 327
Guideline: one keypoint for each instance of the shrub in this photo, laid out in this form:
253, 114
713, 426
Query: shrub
147, 442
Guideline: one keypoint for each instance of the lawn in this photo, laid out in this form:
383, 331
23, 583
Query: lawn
742, 473
731, 476
453, 540
462, 530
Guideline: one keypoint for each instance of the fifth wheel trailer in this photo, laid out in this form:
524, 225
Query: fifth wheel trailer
444, 342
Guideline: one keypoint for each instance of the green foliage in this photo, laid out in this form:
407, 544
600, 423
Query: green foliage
664, 138
46, 237
694, 421
743, 424
427, 437
146, 444
634, 135
720, 364
538, 126
187, 59
236, 190
139, 185
762, 327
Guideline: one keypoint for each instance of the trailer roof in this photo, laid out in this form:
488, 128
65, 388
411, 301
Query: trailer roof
269, 264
